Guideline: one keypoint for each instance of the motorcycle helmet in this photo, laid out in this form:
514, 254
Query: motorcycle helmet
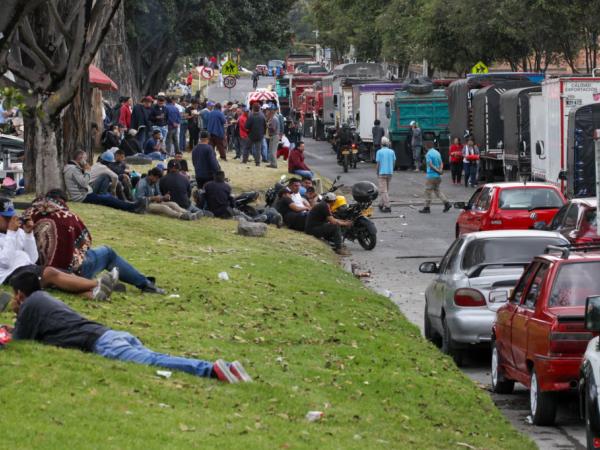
364, 191
329, 197
340, 203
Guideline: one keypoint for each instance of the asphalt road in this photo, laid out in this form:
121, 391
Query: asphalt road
405, 240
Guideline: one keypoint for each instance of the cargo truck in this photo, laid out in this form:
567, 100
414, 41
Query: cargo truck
430, 111
581, 154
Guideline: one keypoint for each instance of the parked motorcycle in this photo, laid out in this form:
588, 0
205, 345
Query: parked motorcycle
363, 229
243, 203
271, 194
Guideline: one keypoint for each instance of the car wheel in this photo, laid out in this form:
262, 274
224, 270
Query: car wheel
542, 404
500, 385
449, 347
457, 232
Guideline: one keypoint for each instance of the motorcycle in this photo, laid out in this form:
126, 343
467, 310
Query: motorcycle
271, 194
243, 203
363, 229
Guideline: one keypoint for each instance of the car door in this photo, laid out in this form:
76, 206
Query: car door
462, 220
482, 210
505, 315
436, 293
558, 220
521, 327
472, 216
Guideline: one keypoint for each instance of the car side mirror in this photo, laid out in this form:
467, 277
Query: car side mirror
460, 205
430, 267
541, 225
592, 313
500, 296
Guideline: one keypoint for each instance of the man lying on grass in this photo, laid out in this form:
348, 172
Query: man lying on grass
45, 319
18, 252
64, 242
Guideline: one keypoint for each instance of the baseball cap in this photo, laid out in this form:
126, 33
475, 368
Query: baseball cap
160, 166
107, 156
265, 106
148, 98
210, 104
7, 209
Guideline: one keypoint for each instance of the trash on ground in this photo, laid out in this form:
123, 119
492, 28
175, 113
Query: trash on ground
174, 296
164, 373
224, 276
314, 416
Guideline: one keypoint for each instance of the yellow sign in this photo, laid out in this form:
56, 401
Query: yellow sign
230, 68
480, 67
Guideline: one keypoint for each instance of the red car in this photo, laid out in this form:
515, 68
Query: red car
508, 206
539, 337
576, 221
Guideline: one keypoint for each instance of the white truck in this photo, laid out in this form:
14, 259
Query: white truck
550, 120
373, 102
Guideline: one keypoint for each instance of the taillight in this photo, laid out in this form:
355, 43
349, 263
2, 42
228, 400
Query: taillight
568, 343
468, 298
353, 145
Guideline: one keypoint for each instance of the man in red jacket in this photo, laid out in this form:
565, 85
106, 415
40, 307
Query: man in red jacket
296, 164
125, 112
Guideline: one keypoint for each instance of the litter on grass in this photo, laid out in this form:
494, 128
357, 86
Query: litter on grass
224, 276
164, 373
314, 416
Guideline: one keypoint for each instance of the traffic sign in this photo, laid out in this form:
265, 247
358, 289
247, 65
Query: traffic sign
480, 67
230, 68
229, 82
207, 73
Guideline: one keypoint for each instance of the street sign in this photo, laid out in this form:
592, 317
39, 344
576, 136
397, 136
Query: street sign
207, 73
229, 82
480, 67
230, 68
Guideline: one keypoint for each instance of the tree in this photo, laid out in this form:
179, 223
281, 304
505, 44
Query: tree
50, 54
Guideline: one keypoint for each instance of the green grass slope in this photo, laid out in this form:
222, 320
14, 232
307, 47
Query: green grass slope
310, 334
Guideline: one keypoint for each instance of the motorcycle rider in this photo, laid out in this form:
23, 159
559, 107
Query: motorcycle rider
345, 138
321, 224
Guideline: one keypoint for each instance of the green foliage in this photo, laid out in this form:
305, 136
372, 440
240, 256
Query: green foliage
12, 98
311, 335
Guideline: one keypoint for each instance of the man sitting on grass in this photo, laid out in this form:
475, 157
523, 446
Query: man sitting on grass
64, 242
293, 216
177, 187
77, 182
43, 318
18, 254
296, 164
160, 204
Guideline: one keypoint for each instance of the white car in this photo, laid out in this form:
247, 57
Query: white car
589, 379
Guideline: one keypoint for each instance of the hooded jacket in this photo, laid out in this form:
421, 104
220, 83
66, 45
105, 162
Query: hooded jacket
77, 182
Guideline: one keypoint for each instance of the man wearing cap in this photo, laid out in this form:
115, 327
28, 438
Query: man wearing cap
243, 132
77, 183
102, 179
173, 122
19, 254
321, 224
256, 125
386, 160
153, 146
130, 145
216, 128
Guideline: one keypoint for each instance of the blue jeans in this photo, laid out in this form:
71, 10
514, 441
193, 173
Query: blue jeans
265, 150
110, 201
125, 347
142, 136
101, 185
303, 173
157, 156
255, 147
182, 130
105, 258
470, 173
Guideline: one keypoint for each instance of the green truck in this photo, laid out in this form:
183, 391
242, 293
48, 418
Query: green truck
430, 111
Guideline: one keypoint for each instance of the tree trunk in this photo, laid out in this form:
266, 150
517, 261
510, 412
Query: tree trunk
48, 157
114, 59
77, 124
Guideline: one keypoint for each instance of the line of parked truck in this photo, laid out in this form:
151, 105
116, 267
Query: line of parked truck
526, 125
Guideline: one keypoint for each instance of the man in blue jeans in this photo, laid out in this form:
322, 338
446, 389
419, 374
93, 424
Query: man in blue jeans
43, 318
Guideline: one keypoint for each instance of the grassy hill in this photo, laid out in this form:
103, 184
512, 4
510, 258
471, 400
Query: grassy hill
310, 334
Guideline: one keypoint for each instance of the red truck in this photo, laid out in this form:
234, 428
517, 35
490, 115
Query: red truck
539, 337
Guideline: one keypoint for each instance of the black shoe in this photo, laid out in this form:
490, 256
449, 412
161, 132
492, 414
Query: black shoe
151, 288
387, 210
425, 210
447, 207
380, 208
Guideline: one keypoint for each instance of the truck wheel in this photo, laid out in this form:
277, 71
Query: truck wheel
500, 384
449, 347
542, 404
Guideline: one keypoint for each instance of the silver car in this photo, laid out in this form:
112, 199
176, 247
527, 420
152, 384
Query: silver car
474, 278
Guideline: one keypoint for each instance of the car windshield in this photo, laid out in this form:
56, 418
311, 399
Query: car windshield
498, 251
574, 283
529, 198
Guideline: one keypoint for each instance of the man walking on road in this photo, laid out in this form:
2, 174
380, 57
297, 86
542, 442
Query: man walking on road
435, 169
416, 143
386, 159
378, 133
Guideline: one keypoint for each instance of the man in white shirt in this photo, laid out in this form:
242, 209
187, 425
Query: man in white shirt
297, 198
18, 254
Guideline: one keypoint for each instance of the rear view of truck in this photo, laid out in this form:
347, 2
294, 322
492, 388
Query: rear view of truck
430, 111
